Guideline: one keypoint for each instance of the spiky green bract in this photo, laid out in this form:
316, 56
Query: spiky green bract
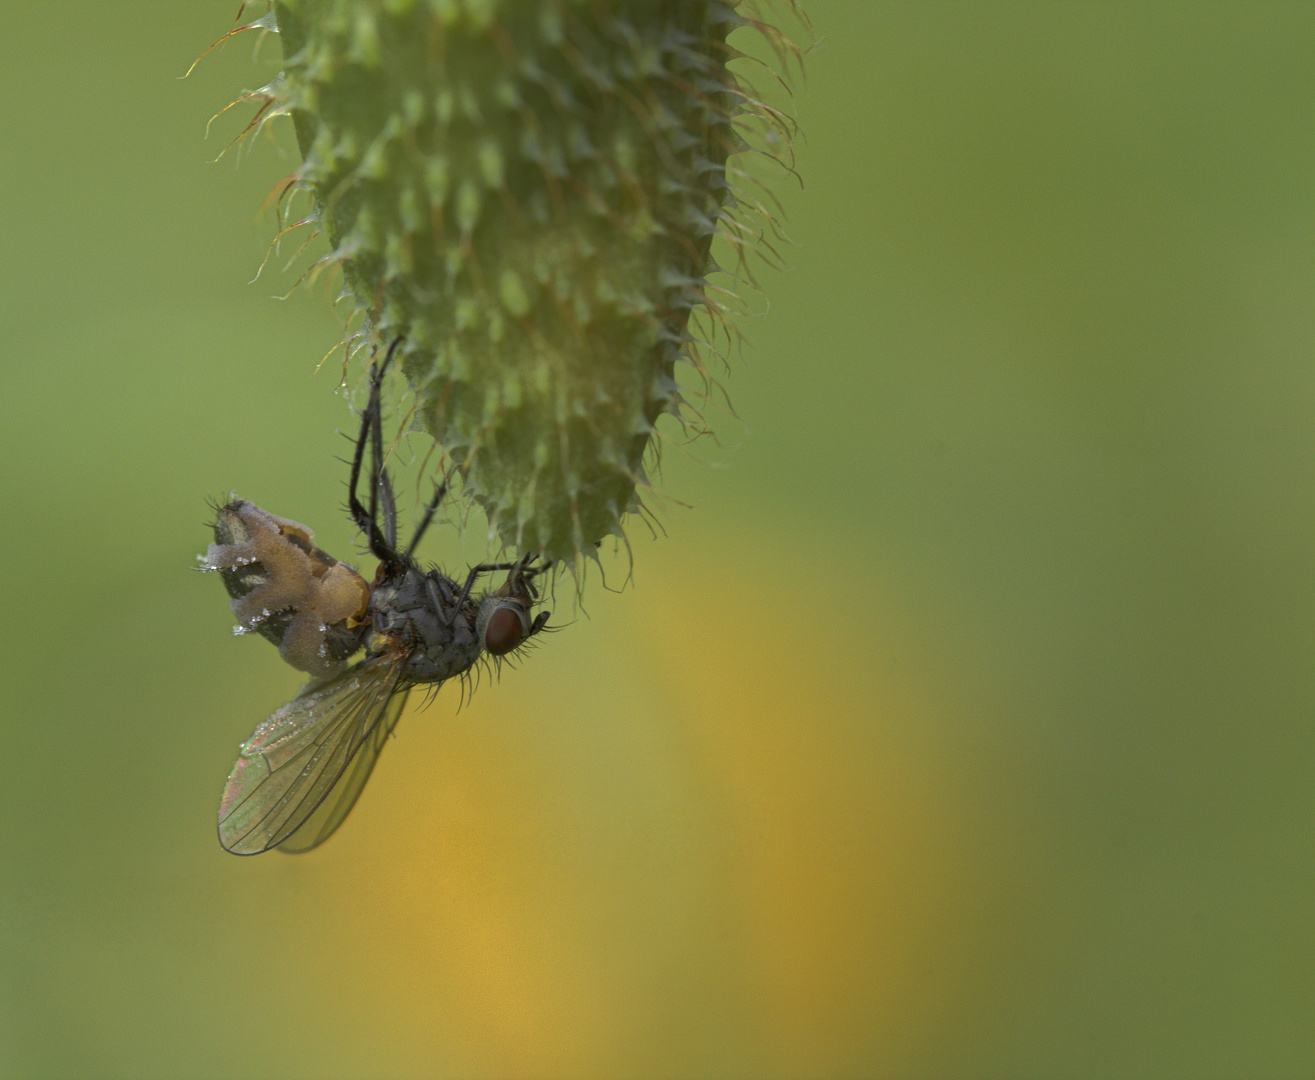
527, 193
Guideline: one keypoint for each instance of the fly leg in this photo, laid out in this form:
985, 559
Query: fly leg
475, 571
366, 519
520, 566
425, 519
381, 487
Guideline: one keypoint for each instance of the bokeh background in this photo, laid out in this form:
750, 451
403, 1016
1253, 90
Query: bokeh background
961, 728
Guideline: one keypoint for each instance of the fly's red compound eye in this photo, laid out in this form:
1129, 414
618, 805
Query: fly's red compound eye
505, 630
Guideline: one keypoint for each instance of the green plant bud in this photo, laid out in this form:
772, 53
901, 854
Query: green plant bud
527, 193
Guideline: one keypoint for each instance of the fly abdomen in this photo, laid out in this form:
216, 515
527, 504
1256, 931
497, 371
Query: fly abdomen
283, 587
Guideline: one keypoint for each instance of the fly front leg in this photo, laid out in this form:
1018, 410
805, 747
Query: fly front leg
489, 568
475, 571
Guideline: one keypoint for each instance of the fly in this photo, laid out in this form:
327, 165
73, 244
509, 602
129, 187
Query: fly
302, 770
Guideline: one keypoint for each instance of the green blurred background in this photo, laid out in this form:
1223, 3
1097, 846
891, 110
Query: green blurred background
961, 729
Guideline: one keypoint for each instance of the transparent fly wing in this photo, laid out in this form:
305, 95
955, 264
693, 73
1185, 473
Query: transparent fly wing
296, 757
333, 811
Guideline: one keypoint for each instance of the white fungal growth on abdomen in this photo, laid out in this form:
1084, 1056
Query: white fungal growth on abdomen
283, 586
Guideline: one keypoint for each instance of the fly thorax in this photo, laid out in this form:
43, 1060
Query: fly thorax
444, 648
418, 611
